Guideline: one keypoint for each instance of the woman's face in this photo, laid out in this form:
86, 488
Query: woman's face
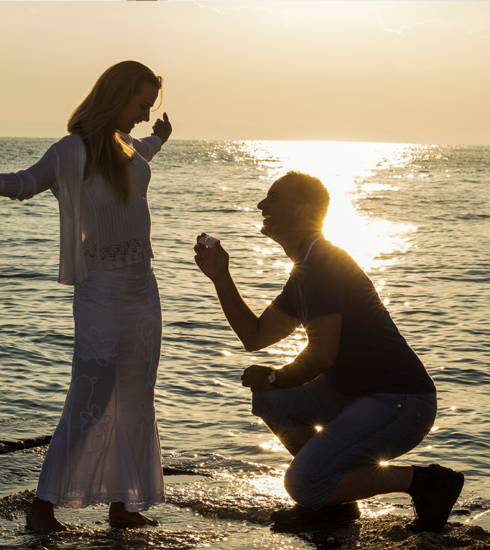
138, 109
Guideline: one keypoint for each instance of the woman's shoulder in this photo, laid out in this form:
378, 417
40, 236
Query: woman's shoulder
69, 142
70, 150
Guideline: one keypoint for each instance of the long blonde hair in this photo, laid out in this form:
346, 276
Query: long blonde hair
94, 120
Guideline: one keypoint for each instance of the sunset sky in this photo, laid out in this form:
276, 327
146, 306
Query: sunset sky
345, 71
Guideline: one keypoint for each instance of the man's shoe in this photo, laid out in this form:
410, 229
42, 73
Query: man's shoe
348, 511
432, 508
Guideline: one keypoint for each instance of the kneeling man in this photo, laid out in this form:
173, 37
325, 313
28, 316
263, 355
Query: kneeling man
357, 378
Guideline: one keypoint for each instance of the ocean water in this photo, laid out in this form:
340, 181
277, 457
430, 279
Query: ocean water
415, 217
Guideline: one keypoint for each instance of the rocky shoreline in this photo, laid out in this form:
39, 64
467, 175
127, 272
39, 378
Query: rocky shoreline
370, 533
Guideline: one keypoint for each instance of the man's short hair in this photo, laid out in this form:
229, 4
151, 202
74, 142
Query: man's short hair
309, 189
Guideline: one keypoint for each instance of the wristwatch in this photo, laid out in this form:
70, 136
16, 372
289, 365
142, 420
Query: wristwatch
272, 380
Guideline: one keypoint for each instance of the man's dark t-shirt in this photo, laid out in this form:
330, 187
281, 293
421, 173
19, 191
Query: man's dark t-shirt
373, 356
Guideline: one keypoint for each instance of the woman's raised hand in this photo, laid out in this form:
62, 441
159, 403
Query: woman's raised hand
214, 261
162, 128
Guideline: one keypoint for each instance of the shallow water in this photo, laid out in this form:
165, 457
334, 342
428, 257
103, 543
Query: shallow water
416, 218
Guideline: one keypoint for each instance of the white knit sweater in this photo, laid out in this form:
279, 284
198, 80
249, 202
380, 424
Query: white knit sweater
97, 232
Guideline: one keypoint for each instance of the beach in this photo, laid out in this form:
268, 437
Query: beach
415, 217
213, 525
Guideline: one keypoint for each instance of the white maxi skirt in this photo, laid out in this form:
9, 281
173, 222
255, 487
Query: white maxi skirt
106, 447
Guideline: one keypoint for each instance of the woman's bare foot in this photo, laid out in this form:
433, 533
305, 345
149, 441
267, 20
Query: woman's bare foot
41, 518
117, 511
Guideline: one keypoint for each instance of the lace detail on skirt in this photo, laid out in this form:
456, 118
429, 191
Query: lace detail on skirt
106, 447
128, 252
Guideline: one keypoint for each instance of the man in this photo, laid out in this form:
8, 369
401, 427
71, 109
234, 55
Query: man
357, 378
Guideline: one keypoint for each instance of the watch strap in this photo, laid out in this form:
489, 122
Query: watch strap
272, 380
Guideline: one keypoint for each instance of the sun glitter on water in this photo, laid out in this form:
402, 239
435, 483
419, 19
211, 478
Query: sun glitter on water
343, 168
348, 170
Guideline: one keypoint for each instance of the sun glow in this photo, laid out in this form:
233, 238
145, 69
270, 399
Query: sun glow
270, 485
273, 445
347, 169
355, 174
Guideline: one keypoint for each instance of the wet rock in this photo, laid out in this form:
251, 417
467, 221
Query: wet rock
12, 506
207, 501
388, 532
11, 446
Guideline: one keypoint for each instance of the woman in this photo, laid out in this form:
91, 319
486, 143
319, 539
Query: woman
106, 448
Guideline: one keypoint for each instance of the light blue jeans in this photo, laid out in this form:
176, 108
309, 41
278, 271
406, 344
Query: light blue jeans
360, 430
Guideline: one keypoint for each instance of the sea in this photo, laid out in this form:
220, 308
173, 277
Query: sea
415, 217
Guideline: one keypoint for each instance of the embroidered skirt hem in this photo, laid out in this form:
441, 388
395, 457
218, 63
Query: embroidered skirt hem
101, 498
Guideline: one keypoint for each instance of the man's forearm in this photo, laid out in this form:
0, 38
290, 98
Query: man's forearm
307, 366
241, 318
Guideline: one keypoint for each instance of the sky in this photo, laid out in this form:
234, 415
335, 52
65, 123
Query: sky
389, 71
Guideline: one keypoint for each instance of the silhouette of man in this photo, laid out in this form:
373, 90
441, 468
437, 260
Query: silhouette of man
357, 379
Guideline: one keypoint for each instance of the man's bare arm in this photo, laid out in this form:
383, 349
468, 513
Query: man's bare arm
318, 356
255, 332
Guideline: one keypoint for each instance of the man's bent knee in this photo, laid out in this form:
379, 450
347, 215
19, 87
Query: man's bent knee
312, 491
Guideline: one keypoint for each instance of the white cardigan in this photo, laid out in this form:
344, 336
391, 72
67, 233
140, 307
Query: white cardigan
97, 232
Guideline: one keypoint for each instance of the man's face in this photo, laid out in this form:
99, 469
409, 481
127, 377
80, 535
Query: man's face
278, 209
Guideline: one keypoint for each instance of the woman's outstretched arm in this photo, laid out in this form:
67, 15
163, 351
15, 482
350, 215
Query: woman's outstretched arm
25, 184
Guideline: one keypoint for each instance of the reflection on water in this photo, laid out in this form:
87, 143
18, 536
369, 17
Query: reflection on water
373, 242
415, 217
272, 445
268, 485
343, 168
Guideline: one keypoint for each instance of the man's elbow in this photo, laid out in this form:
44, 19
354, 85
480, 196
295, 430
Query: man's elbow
251, 346
253, 343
